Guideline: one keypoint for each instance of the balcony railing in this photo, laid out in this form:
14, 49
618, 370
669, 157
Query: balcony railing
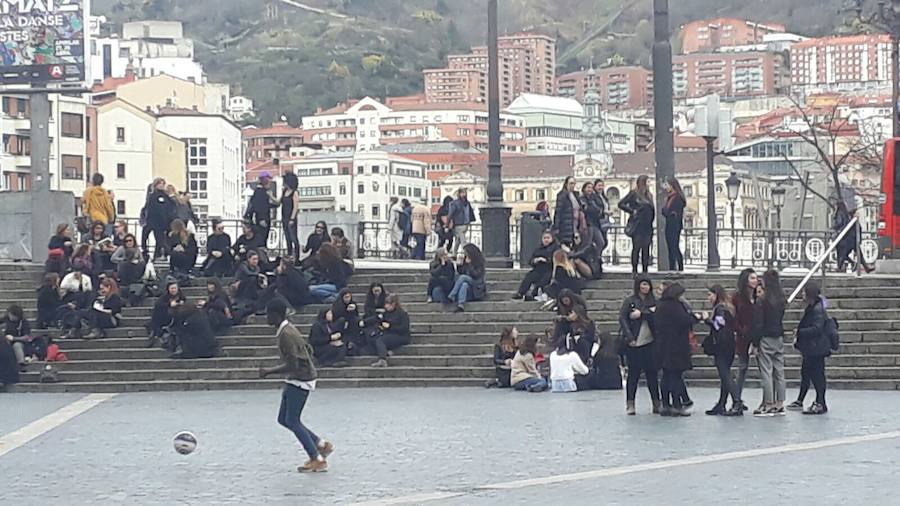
738, 248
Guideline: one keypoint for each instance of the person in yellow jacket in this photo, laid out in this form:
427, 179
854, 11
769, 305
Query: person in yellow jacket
96, 203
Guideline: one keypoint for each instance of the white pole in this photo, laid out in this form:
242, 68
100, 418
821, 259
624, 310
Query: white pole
822, 259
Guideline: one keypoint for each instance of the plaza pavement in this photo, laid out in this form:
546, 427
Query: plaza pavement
455, 446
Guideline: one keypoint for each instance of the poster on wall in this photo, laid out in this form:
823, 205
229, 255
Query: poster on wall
42, 41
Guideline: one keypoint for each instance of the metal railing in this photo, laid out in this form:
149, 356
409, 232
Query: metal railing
738, 248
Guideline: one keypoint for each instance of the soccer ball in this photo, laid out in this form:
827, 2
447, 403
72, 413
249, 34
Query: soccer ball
185, 443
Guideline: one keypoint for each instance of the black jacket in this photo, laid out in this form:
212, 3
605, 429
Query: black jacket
641, 212
443, 272
399, 322
48, 303
131, 273
190, 249
20, 328
292, 286
721, 329
160, 210
244, 245
630, 329
220, 243
593, 210
248, 287
672, 338
161, 316
768, 320
812, 329
564, 217
59, 242
674, 212
195, 335
342, 311
545, 252
260, 208
313, 242
9, 367
321, 331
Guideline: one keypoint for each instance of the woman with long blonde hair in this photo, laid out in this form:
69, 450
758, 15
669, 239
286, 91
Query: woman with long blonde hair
564, 275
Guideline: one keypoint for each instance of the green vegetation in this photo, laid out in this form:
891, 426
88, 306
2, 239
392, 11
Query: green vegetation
291, 60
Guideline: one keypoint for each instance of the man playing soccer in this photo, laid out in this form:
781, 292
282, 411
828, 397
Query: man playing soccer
297, 366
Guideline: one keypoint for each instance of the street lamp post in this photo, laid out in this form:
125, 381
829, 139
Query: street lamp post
778, 194
663, 116
494, 214
890, 17
733, 184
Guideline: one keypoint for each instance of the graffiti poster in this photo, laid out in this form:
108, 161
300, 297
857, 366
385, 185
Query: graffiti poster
42, 41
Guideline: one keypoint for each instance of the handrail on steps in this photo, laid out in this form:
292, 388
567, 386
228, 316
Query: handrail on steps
821, 260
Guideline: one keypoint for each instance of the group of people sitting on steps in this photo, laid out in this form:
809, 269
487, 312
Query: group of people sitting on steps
656, 338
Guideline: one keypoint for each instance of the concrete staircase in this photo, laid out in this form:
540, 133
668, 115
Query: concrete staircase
447, 349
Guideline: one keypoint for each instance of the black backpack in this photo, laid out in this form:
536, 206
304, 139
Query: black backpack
832, 328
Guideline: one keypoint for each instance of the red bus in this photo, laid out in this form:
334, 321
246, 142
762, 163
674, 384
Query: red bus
889, 224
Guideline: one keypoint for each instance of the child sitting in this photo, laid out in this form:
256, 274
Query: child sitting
564, 365
504, 352
524, 374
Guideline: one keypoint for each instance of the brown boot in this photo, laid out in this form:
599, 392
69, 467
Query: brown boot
629, 408
326, 449
656, 405
313, 466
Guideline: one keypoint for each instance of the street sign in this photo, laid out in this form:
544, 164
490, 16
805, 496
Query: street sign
42, 41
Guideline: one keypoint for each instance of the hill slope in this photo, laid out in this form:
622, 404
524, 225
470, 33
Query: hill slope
292, 56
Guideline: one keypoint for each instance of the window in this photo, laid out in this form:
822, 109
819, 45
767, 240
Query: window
120, 207
72, 125
417, 192
314, 191
689, 191
72, 167
120, 134
361, 209
376, 211
360, 169
120, 171
197, 184
342, 189
402, 191
540, 195
196, 149
360, 188
376, 169
520, 195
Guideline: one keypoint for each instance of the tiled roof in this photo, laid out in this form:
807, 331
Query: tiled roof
439, 147
277, 129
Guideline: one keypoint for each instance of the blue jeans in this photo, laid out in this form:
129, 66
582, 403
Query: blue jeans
438, 295
530, 382
419, 250
293, 399
460, 292
323, 291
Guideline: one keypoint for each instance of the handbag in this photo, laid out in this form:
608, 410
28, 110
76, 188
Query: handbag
710, 345
631, 226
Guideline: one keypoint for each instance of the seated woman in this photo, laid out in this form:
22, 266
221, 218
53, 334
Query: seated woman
504, 352
344, 248
315, 240
76, 291
249, 284
564, 277
131, 269
393, 330
585, 255
327, 338
375, 299
469, 284
524, 375
9, 367
102, 248
569, 305
217, 306
291, 284
83, 260
105, 312
600, 355
118, 256
541, 263
564, 365
48, 302
345, 308
218, 263
161, 316
193, 333
443, 273
329, 274
15, 330
247, 242
182, 248
59, 250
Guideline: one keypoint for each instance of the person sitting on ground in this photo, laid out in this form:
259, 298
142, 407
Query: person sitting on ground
17, 332
564, 365
218, 263
106, 311
329, 274
193, 333
247, 242
539, 276
442, 274
161, 316
524, 375
504, 352
315, 240
564, 277
217, 306
328, 341
470, 279
376, 296
344, 248
182, 248
569, 303
250, 282
48, 302
393, 330
375, 299
586, 255
59, 250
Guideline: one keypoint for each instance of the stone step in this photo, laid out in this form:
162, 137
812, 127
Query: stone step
270, 350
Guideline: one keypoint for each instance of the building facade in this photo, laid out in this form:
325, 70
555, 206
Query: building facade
552, 124
851, 64
442, 159
368, 124
744, 74
708, 35
165, 91
361, 182
271, 142
620, 88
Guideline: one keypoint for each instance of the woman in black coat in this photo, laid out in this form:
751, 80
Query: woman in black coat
393, 330
674, 347
60, 249
291, 284
328, 341
541, 263
442, 225
636, 330
815, 345
217, 306
346, 309
442, 274
721, 336
586, 255
182, 248
639, 205
219, 257
159, 210
161, 316
48, 302
248, 241
315, 240
674, 213
564, 276
566, 219
193, 333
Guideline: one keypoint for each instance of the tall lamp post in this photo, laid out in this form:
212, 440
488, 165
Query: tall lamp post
890, 17
778, 194
494, 214
733, 184
663, 117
